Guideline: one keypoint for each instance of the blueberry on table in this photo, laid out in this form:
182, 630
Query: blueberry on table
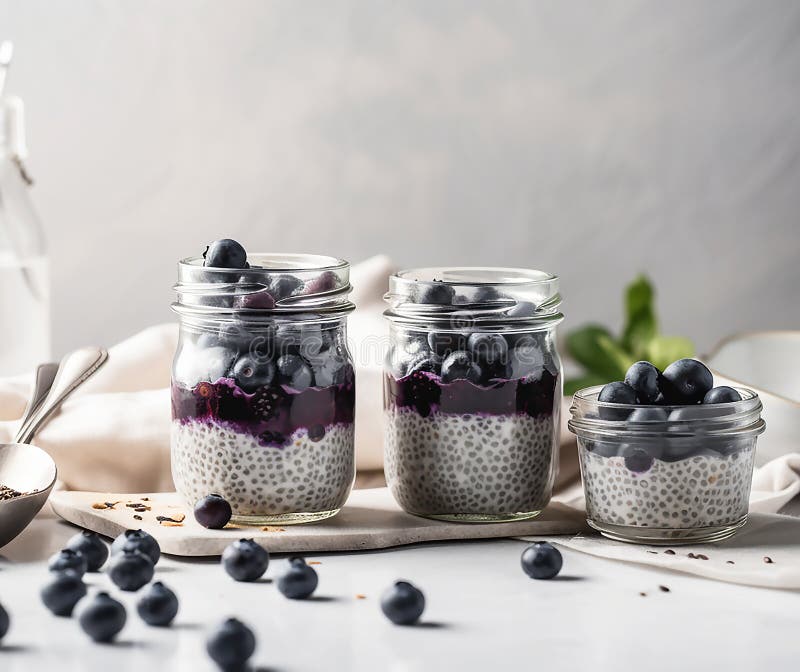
90, 546
245, 560
460, 366
103, 618
250, 372
138, 540
686, 382
68, 560
63, 592
213, 512
231, 644
5, 622
299, 581
295, 372
616, 393
130, 569
541, 560
225, 253
438, 293
490, 348
721, 395
643, 378
403, 603
158, 606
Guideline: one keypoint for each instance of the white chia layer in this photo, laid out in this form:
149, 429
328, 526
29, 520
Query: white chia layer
469, 464
699, 491
305, 476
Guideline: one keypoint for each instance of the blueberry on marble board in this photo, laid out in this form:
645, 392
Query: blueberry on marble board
213, 511
245, 560
70, 560
643, 377
63, 592
721, 395
403, 603
158, 606
460, 366
686, 382
102, 618
231, 644
130, 569
90, 546
138, 540
616, 393
299, 581
225, 253
5, 622
250, 372
541, 560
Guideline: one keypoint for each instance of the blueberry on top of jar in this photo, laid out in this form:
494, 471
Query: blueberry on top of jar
225, 253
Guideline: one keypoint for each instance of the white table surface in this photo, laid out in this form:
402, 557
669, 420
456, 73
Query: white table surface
483, 613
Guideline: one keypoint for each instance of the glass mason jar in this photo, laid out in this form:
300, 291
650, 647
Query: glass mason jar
472, 392
681, 474
263, 387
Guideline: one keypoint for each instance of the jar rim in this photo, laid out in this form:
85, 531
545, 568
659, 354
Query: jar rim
281, 262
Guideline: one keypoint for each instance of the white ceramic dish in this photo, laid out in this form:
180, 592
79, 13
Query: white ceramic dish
769, 363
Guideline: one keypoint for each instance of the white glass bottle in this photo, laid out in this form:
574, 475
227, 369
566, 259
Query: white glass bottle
24, 282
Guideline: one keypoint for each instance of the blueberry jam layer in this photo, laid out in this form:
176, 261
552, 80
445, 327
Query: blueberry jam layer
271, 415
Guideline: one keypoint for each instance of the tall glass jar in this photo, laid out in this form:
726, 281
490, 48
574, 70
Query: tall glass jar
472, 392
263, 387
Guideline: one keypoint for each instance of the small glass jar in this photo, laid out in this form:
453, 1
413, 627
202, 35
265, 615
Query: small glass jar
682, 476
263, 387
472, 392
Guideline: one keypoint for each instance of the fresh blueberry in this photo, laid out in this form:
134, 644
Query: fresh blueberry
138, 540
213, 512
103, 618
245, 560
636, 459
158, 606
250, 372
63, 592
284, 286
651, 414
616, 393
489, 348
686, 382
261, 300
299, 581
225, 253
721, 395
403, 603
460, 366
68, 560
130, 569
443, 343
230, 645
90, 546
438, 293
295, 372
5, 622
541, 560
643, 378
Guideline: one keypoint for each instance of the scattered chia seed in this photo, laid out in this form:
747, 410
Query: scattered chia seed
767, 560
663, 589
692, 556
9, 493
643, 594
653, 552
702, 557
669, 551
730, 562
135, 517
167, 519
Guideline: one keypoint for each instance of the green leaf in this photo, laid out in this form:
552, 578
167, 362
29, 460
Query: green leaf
590, 346
616, 358
641, 324
572, 385
663, 350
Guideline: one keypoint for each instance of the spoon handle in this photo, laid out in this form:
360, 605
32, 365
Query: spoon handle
75, 369
42, 382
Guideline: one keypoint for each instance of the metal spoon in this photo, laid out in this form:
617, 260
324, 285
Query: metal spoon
29, 469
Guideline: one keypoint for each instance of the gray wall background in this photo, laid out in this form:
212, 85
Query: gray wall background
592, 139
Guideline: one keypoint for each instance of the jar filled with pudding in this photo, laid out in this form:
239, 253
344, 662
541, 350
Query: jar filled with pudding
263, 386
472, 392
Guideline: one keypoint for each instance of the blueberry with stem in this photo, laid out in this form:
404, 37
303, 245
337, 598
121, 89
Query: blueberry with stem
225, 253
403, 603
130, 569
158, 606
245, 560
213, 511
299, 581
63, 592
138, 540
90, 546
231, 644
102, 618
68, 560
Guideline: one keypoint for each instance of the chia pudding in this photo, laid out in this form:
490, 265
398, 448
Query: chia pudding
472, 393
263, 386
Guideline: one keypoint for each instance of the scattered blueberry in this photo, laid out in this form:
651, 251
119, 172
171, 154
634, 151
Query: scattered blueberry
130, 569
284, 286
68, 560
213, 511
438, 293
648, 414
102, 618
63, 592
295, 372
616, 393
643, 378
403, 603
138, 540
721, 395
250, 373
90, 546
245, 560
299, 581
231, 644
158, 606
225, 253
638, 460
460, 366
5, 622
686, 382
490, 348
541, 560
